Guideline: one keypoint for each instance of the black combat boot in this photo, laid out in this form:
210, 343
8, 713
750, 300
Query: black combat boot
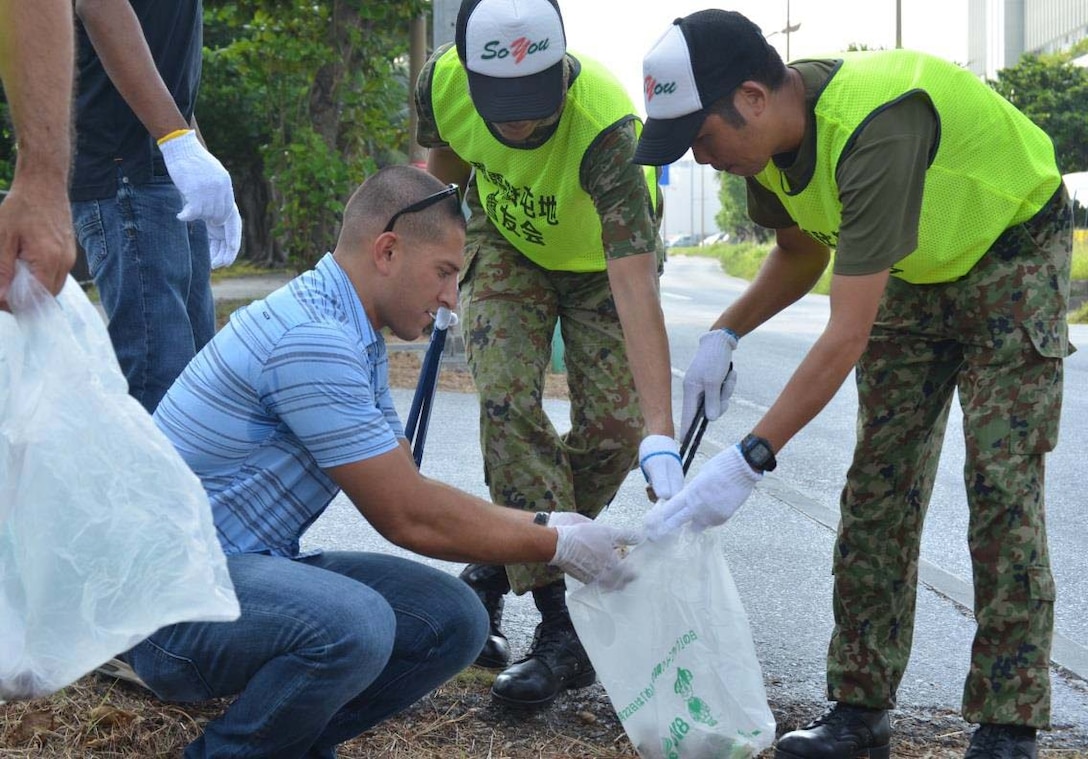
1002, 742
841, 731
491, 584
556, 661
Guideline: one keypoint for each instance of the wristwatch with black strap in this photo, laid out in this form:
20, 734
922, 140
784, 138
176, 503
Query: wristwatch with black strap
758, 453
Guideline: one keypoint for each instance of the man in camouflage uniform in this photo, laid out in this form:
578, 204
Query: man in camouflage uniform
953, 244
563, 227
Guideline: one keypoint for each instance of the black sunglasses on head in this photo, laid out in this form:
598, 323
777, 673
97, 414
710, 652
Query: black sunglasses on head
447, 191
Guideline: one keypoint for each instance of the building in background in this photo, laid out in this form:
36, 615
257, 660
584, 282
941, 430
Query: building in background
443, 21
1000, 31
690, 192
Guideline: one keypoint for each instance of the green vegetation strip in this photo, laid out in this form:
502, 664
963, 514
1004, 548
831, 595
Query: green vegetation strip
743, 260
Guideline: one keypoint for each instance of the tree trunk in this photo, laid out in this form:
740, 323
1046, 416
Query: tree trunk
253, 193
324, 101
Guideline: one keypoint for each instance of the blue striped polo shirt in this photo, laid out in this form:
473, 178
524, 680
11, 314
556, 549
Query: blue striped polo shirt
294, 384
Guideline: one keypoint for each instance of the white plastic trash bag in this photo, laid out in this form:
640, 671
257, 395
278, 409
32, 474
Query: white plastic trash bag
105, 533
674, 651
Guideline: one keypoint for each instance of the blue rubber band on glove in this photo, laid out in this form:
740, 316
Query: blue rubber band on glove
657, 453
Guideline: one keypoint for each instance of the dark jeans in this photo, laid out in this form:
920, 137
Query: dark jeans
152, 274
325, 648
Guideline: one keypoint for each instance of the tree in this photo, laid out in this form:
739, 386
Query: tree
1053, 93
302, 99
733, 216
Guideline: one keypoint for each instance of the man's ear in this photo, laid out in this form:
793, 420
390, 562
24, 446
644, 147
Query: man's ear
751, 98
383, 251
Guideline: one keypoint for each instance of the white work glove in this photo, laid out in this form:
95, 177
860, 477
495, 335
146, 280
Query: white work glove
710, 378
586, 550
659, 459
225, 240
566, 518
714, 495
207, 192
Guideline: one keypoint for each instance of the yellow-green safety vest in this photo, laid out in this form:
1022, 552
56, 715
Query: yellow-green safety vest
993, 167
534, 196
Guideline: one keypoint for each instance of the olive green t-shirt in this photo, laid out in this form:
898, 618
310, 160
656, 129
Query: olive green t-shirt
880, 178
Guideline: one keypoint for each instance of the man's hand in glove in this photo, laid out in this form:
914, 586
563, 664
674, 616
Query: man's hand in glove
716, 492
586, 550
207, 193
659, 459
709, 378
225, 240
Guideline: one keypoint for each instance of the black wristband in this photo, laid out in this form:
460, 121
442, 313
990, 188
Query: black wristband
758, 453
541, 518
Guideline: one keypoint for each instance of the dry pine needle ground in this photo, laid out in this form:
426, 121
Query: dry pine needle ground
101, 718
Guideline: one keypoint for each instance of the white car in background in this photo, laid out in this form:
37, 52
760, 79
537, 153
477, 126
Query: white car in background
714, 239
682, 241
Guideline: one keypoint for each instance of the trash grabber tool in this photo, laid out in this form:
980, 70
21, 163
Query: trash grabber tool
420, 413
690, 443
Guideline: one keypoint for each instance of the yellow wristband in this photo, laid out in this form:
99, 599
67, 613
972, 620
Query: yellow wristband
172, 135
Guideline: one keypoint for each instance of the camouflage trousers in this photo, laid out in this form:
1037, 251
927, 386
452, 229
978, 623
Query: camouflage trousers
997, 337
509, 307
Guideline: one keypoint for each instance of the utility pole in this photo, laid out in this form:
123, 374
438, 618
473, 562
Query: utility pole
898, 24
443, 21
417, 56
788, 30
691, 196
702, 203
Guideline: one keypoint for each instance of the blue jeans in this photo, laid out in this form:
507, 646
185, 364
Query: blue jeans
326, 647
153, 276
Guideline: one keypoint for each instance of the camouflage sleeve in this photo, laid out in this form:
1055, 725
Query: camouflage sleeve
629, 220
426, 125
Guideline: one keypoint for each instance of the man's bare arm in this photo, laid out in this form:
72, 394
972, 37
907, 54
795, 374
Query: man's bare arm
36, 65
119, 41
633, 280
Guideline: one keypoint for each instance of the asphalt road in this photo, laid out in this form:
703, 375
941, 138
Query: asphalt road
779, 544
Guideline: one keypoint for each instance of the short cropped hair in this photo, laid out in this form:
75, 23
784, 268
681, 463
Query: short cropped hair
393, 189
769, 71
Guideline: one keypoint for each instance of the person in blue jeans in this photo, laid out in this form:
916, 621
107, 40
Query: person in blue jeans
288, 405
153, 210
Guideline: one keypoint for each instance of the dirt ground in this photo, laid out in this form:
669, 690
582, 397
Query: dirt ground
453, 374
404, 365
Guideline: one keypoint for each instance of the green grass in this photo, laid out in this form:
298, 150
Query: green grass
1080, 272
246, 269
743, 260
1080, 255
224, 307
737, 259
91, 291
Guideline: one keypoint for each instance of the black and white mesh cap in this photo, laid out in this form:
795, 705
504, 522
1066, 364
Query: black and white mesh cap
513, 52
698, 60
